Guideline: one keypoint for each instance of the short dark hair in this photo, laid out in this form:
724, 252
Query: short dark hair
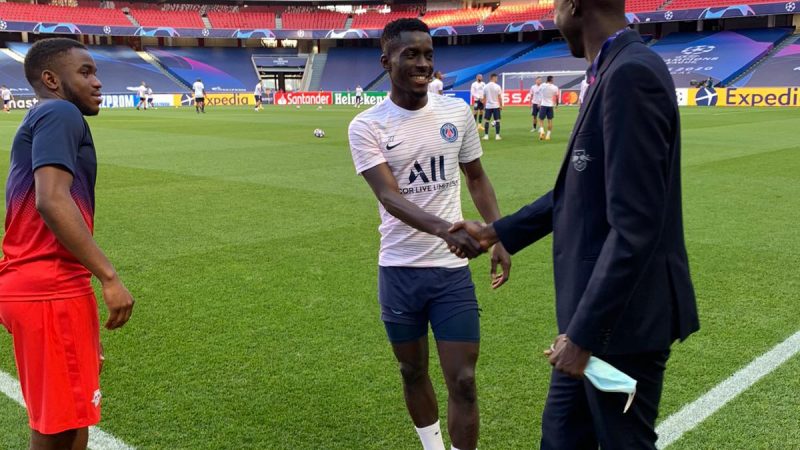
549, 78
393, 29
494, 75
43, 54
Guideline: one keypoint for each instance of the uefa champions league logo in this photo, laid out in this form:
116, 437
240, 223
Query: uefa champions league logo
706, 96
668, 15
481, 28
790, 7
698, 49
301, 33
3, 25
107, 29
205, 32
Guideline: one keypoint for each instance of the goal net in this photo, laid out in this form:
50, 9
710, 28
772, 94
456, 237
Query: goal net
565, 80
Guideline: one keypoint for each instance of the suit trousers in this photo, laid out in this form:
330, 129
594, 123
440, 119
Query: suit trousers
578, 416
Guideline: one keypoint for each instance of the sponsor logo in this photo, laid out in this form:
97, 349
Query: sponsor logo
348, 98
698, 49
417, 173
205, 32
390, 147
23, 103
96, 398
119, 101
669, 15
580, 160
761, 97
304, 98
428, 178
216, 99
706, 96
3, 25
107, 29
449, 132
481, 28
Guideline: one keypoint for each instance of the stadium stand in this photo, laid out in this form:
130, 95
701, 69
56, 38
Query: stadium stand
347, 67
551, 57
692, 4
375, 20
221, 69
26, 12
781, 69
461, 63
242, 20
313, 20
120, 69
13, 75
175, 19
521, 12
455, 17
719, 55
635, 6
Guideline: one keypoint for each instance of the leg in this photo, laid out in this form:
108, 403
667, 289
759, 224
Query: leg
636, 428
67, 440
417, 387
566, 421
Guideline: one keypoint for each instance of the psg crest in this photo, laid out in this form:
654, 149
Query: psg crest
449, 132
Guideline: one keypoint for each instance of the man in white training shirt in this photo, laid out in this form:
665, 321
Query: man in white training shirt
141, 91
5, 92
409, 149
359, 96
150, 99
536, 100
199, 91
476, 99
550, 95
258, 92
436, 86
493, 94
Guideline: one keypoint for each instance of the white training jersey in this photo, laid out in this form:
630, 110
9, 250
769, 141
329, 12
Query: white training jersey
149, 92
548, 92
536, 94
423, 149
436, 86
493, 93
258, 89
6, 94
198, 89
142, 91
359, 91
476, 90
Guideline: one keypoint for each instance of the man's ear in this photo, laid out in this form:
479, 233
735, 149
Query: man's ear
385, 62
575, 7
50, 80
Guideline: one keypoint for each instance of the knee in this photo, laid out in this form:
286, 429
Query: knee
413, 373
463, 386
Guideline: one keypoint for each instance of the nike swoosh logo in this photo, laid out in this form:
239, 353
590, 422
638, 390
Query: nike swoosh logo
389, 147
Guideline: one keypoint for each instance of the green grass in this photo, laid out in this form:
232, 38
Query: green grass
251, 248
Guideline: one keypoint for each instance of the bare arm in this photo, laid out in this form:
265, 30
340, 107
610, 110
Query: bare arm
64, 219
386, 190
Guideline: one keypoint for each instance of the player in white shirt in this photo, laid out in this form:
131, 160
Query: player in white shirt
409, 149
257, 93
7, 98
536, 100
141, 91
436, 86
493, 94
476, 99
359, 96
199, 91
550, 94
150, 99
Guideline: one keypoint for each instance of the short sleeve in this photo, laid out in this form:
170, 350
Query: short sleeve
57, 136
471, 144
364, 146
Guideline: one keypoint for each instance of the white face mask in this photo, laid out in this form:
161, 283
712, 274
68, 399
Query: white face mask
608, 378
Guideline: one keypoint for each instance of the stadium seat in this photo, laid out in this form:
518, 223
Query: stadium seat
377, 20
26, 12
175, 19
455, 17
521, 13
636, 6
316, 20
242, 20
691, 4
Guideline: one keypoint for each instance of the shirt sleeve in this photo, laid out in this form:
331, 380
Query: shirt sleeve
57, 136
471, 144
365, 146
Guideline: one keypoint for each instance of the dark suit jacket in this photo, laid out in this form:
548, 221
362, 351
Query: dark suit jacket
621, 270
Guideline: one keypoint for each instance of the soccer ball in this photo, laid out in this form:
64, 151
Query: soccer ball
319, 133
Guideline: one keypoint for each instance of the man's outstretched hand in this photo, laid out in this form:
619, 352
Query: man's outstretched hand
479, 231
462, 244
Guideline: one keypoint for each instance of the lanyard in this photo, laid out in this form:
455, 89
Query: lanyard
591, 73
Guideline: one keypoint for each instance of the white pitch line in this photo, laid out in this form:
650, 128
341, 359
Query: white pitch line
98, 439
691, 415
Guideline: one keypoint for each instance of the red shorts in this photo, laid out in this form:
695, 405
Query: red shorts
57, 348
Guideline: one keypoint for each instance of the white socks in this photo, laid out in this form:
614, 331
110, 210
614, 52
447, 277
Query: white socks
431, 437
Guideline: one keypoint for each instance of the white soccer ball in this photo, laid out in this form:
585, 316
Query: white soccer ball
319, 133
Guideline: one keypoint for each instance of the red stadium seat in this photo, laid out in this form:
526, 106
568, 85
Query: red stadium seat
316, 20
456, 17
26, 12
242, 20
376, 20
175, 19
521, 13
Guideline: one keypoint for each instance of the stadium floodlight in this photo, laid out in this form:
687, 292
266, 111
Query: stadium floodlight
524, 80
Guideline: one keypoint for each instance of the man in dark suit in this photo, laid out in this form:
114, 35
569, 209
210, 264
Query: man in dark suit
623, 291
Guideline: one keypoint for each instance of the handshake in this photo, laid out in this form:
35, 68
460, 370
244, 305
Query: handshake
469, 239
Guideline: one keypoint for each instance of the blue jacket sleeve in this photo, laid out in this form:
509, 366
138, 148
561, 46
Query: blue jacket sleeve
527, 225
638, 127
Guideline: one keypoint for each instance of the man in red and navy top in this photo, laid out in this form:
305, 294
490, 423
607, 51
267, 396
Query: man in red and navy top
49, 255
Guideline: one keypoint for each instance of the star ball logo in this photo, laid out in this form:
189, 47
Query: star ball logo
790, 7
449, 132
698, 49
3, 25
668, 15
706, 96
205, 32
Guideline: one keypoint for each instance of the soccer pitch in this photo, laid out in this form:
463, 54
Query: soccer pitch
251, 249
